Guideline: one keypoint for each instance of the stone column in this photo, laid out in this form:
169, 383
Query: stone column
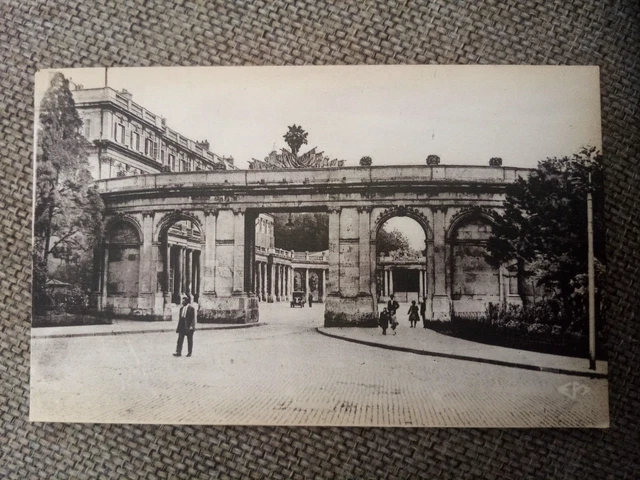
324, 284
385, 288
239, 252
177, 280
209, 253
146, 294
345, 305
263, 267
187, 271
250, 253
306, 284
420, 284
364, 261
391, 290
283, 292
441, 299
229, 302
333, 280
105, 276
271, 280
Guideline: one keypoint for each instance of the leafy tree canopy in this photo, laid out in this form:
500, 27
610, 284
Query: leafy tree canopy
68, 209
295, 138
310, 232
393, 242
544, 222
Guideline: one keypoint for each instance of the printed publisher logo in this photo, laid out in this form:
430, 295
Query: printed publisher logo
574, 390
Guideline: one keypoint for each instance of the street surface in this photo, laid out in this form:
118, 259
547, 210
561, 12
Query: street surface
286, 373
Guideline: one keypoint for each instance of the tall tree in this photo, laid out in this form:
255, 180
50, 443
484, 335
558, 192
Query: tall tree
544, 224
295, 138
68, 209
392, 241
309, 233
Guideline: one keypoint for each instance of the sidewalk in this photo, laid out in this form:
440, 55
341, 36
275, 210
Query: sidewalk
120, 327
422, 341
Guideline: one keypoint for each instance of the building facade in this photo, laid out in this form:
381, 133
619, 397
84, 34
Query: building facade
128, 139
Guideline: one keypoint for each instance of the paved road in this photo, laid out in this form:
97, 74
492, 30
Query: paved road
285, 373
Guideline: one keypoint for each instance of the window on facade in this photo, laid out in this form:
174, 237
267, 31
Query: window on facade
118, 133
162, 156
135, 141
154, 150
183, 166
87, 128
172, 161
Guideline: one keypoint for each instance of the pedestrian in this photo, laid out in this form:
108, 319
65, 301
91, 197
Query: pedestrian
384, 321
310, 300
423, 312
413, 314
186, 326
392, 307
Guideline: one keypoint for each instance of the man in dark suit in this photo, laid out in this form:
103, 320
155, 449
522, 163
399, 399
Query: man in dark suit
186, 326
423, 312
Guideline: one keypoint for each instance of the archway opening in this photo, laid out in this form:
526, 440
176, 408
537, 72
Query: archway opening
401, 266
179, 265
290, 265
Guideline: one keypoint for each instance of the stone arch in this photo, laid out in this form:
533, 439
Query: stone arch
118, 220
403, 211
414, 275
474, 281
180, 257
172, 217
468, 215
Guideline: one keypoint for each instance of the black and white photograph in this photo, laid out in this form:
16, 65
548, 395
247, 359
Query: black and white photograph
393, 246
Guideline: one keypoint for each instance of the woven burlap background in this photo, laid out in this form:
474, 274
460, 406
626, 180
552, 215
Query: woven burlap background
40, 34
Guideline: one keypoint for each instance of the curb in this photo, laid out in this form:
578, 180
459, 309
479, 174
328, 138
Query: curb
500, 363
135, 332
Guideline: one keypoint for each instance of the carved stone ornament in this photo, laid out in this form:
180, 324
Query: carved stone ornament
402, 211
471, 212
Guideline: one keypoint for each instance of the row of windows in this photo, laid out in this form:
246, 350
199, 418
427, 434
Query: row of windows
167, 158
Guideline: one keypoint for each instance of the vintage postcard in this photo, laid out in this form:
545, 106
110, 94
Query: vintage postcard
415, 246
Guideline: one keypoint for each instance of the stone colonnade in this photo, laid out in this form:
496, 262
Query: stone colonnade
228, 280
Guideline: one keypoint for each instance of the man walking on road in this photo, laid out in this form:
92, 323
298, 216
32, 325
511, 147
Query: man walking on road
310, 300
186, 326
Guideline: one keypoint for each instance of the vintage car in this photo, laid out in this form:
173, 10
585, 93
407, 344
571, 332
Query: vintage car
297, 299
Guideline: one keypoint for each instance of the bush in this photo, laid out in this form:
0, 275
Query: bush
73, 300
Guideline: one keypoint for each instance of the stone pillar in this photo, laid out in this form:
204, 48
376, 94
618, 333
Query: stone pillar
306, 284
229, 302
420, 284
385, 289
105, 276
146, 288
333, 280
441, 299
250, 253
346, 305
391, 290
187, 271
209, 253
270, 279
283, 293
263, 267
324, 284
177, 280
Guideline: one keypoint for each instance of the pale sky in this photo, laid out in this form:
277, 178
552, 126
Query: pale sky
398, 115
